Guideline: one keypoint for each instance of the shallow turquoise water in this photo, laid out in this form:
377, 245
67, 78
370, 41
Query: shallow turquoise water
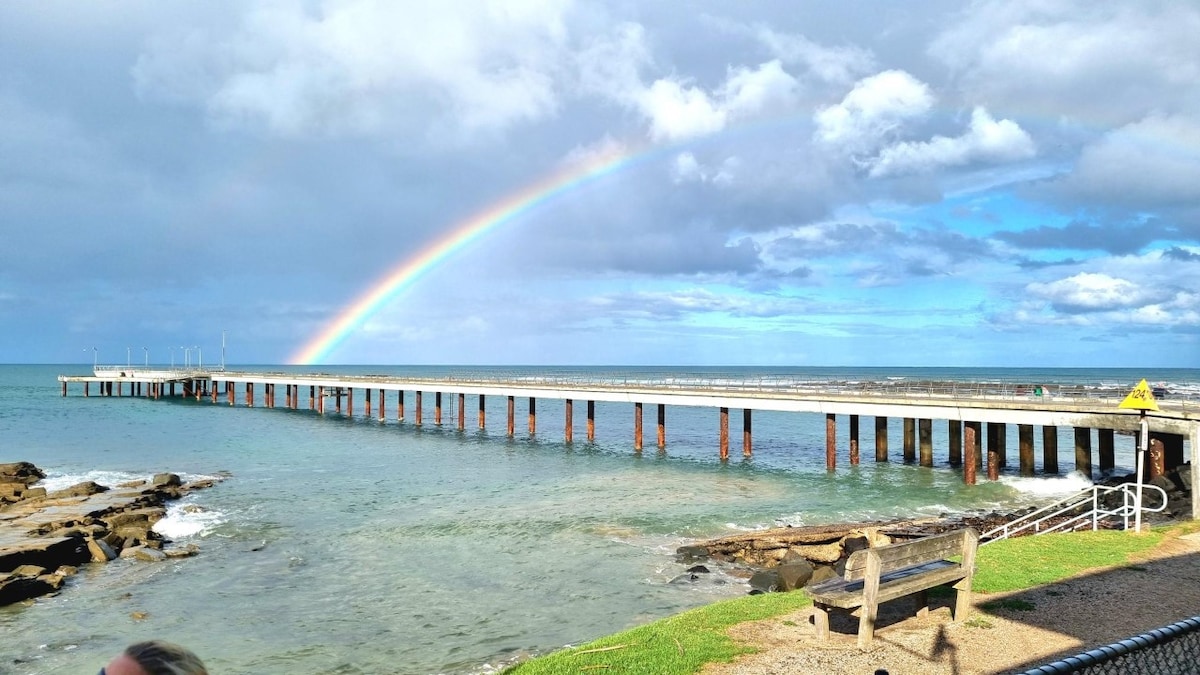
386, 548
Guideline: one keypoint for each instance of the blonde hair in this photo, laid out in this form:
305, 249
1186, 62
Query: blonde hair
158, 657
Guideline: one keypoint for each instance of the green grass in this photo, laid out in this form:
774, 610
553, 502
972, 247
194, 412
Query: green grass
682, 644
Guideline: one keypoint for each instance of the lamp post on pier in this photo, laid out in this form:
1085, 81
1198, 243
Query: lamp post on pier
147, 350
128, 358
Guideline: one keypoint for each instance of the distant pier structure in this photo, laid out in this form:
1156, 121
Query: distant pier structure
977, 414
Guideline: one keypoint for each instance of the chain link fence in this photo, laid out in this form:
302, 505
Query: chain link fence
1170, 650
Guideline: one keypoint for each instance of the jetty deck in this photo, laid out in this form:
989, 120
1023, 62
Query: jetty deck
977, 413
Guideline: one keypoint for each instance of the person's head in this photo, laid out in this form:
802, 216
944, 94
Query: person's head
155, 657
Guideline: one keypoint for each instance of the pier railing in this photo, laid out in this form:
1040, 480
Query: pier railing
1078, 511
1090, 394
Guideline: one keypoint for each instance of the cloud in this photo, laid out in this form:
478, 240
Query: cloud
872, 112
1151, 163
1114, 237
831, 64
987, 140
361, 66
1099, 63
1090, 292
677, 110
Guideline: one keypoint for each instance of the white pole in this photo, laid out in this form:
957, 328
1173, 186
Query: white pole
1141, 462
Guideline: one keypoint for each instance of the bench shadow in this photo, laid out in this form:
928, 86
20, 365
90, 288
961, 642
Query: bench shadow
1084, 608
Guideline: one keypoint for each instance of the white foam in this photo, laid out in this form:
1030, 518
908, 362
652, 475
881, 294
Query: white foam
60, 481
188, 519
1048, 487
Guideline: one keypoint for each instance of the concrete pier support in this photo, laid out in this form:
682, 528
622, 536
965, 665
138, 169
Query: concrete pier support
400, 405
854, 440
662, 426
970, 451
1050, 449
881, 439
1083, 451
1025, 448
382, 403
1155, 459
512, 415
462, 412
321, 400
482, 411
993, 450
910, 440
591, 421
532, 415
723, 436
1173, 457
637, 427
955, 432
925, 432
1002, 445
367, 402
437, 408
312, 397
747, 432
1107, 449
249, 393
569, 421
419, 396
350, 401
830, 441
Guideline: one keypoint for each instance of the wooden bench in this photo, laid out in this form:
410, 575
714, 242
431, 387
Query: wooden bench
877, 575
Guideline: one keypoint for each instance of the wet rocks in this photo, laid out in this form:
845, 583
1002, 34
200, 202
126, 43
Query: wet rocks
45, 537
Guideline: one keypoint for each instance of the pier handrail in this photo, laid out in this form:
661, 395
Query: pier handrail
1070, 506
1093, 393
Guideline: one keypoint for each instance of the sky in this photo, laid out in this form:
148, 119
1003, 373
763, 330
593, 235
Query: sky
996, 183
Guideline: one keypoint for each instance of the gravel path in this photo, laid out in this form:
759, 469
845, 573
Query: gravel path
1077, 614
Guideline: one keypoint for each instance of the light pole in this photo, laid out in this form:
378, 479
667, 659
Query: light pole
172, 357
199, 357
187, 357
128, 358
147, 350
94, 357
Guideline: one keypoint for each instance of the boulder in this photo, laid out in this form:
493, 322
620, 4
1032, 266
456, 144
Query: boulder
15, 589
166, 480
45, 552
20, 472
84, 489
100, 550
821, 573
793, 575
765, 581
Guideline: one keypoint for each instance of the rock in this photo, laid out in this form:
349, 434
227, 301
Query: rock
765, 581
28, 571
20, 472
184, 552
139, 616
84, 489
15, 589
166, 480
821, 553
148, 554
821, 573
49, 552
698, 569
793, 575
691, 553
100, 550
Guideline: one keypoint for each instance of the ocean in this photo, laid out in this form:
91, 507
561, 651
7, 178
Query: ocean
342, 545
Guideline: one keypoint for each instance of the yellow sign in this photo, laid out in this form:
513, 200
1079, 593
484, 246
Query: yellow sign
1141, 398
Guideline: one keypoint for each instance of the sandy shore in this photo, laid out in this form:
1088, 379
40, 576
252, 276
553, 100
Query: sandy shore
1091, 610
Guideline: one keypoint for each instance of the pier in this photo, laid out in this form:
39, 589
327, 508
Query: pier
977, 414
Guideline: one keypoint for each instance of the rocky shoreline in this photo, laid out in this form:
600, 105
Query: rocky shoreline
788, 558
46, 536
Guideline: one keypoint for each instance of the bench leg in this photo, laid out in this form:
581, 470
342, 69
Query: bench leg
866, 624
962, 600
922, 604
821, 621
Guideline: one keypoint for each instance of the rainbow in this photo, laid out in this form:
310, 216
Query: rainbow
404, 275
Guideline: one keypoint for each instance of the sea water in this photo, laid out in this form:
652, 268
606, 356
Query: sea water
346, 545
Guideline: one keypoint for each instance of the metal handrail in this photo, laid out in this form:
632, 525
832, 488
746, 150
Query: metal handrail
1069, 506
